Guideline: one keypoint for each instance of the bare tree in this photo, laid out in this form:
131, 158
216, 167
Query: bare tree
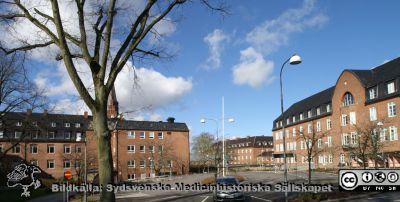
77, 158
93, 46
312, 143
366, 143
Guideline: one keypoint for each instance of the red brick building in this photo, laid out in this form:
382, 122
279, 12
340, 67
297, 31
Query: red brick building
56, 142
250, 150
337, 121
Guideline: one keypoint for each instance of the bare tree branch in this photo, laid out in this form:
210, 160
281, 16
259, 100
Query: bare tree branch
26, 48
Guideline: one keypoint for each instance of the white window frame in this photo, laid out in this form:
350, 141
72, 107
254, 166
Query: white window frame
353, 138
328, 124
131, 148
51, 162
142, 135
142, 164
51, 146
382, 134
162, 135
344, 120
65, 164
131, 134
372, 114
151, 135
53, 124
309, 128
372, 92
393, 135
345, 139
77, 125
142, 151
391, 87
67, 147
330, 141
32, 146
392, 109
318, 126
131, 163
294, 132
353, 119
67, 125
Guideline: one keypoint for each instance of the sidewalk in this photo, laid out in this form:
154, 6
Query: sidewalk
53, 197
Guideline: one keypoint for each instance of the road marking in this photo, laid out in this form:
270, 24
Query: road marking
132, 195
161, 199
261, 199
205, 199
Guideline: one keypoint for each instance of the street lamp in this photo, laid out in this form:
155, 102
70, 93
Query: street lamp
230, 120
294, 60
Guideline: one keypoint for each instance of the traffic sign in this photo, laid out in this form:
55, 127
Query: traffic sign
67, 175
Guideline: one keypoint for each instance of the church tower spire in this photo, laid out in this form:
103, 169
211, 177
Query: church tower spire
112, 104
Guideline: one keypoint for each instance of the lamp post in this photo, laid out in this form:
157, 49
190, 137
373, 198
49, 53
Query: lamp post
230, 120
294, 60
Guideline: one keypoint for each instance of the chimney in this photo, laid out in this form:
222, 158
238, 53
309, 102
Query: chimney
170, 119
29, 112
85, 114
45, 112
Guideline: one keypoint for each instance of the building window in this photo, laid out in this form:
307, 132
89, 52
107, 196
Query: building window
319, 143
348, 99
131, 148
328, 124
67, 149
53, 124
18, 134
151, 135
330, 158
131, 163
373, 93
142, 149
329, 141
345, 139
390, 87
142, 163
318, 126
1, 134
301, 116
393, 133
19, 123
50, 164
142, 135
77, 163
328, 108
131, 134
160, 148
151, 149
372, 114
78, 149
382, 134
67, 135
309, 128
51, 135
301, 130
287, 121
342, 158
16, 149
318, 111
34, 134
353, 138
294, 132
67, 125
34, 149
50, 149
77, 125
344, 119
277, 136
131, 176
160, 135
309, 114
67, 163
78, 136
352, 118
391, 109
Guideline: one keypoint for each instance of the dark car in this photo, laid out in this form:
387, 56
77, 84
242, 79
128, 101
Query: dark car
228, 194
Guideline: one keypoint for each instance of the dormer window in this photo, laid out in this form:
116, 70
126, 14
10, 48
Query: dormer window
318, 111
294, 119
309, 114
19, 123
348, 99
390, 87
328, 108
373, 92
301, 116
287, 121
67, 125
77, 125
53, 124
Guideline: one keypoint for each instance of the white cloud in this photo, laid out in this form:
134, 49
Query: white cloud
214, 41
69, 106
153, 89
253, 69
272, 34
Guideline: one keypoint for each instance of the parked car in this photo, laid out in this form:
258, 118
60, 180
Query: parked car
228, 195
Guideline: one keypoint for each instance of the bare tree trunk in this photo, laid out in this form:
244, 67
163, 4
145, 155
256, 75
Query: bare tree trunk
309, 170
103, 138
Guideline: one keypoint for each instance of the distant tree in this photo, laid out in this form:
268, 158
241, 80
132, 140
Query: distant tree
203, 148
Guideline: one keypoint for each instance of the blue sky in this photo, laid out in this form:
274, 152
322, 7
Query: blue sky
241, 57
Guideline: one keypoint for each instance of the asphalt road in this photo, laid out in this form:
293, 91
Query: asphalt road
251, 177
